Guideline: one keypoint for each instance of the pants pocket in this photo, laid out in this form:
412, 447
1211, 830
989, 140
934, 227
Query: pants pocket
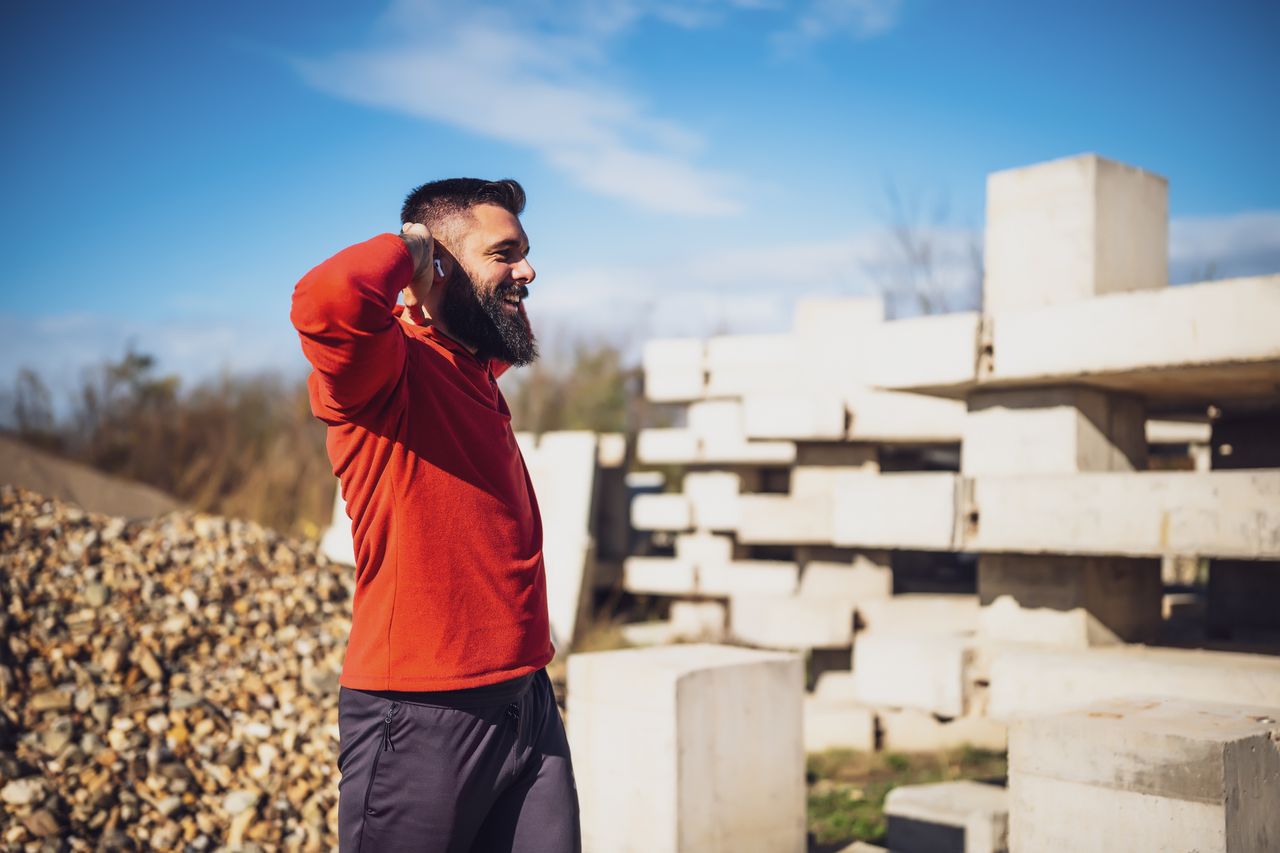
385, 743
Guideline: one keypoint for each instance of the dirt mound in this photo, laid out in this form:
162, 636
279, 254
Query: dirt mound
25, 466
165, 684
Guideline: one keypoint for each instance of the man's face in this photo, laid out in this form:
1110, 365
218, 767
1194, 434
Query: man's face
483, 300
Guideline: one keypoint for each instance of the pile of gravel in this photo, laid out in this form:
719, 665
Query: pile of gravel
165, 684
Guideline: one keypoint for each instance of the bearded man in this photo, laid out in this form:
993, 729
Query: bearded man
450, 738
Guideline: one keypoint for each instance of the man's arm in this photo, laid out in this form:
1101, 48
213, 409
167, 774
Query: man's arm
342, 310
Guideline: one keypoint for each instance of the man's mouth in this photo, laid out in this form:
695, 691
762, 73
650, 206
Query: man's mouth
513, 300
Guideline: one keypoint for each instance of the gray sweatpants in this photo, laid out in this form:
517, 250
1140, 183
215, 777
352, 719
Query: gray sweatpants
485, 770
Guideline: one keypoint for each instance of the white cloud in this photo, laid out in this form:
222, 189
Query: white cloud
824, 19
538, 80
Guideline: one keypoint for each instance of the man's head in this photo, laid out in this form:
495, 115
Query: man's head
483, 252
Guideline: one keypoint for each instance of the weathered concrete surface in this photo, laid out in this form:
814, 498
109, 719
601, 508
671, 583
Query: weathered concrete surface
948, 817
1029, 681
868, 576
703, 621
785, 519
822, 480
1053, 431
1218, 513
919, 614
1073, 228
749, 577
928, 352
1069, 601
659, 576
794, 415
695, 748
918, 731
661, 512
1165, 774
667, 446
918, 511
792, 622
743, 364
704, 548
838, 724
928, 673
674, 370
896, 417
1196, 343
713, 496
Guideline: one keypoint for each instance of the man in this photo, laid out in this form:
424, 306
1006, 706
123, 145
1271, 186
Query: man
450, 736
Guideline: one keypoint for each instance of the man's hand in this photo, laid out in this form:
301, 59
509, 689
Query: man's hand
422, 246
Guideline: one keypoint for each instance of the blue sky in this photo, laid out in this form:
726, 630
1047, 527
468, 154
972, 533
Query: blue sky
171, 169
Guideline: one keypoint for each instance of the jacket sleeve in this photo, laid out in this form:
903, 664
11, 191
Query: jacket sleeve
342, 310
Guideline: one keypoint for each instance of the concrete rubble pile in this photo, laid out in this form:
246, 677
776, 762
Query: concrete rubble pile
165, 684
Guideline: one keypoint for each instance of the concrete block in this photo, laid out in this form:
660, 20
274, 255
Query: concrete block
928, 673
667, 446
1164, 431
1028, 680
337, 543
713, 496
563, 471
701, 621
659, 632
916, 511
900, 417
1072, 229
739, 365
675, 385
689, 748
919, 731
920, 613
1193, 344
749, 577
948, 817
704, 548
674, 369
836, 686
1069, 601
659, 576
716, 420
792, 622
1228, 514
662, 511
939, 351
1165, 774
822, 480
727, 451
783, 519
794, 415
867, 577
1053, 431
838, 724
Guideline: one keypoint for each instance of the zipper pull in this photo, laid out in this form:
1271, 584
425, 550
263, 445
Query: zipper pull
386, 727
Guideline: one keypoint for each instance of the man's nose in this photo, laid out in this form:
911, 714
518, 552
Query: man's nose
523, 272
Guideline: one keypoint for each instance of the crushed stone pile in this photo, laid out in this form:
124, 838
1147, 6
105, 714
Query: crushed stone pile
166, 684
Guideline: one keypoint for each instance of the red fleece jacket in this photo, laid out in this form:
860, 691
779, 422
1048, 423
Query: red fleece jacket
450, 587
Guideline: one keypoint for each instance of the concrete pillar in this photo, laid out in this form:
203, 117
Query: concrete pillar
1072, 229
1053, 431
689, 748
1149, 774
1069, 601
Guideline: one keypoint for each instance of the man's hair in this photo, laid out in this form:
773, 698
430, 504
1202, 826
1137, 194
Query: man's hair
433, 203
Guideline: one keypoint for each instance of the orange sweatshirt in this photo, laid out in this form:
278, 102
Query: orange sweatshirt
450, 587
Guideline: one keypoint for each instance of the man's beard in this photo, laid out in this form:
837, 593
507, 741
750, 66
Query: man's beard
480, 319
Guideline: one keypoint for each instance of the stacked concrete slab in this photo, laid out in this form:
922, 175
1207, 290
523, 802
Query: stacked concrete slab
1097, 409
